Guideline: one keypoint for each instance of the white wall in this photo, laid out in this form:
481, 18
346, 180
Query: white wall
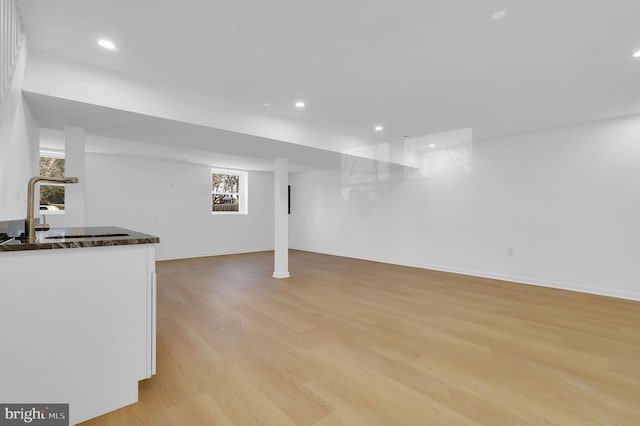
172, 201
18, 148
558, 208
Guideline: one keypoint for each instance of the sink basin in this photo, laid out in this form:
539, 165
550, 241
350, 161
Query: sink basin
68, 237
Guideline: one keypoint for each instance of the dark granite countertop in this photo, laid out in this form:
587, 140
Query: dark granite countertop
93, 236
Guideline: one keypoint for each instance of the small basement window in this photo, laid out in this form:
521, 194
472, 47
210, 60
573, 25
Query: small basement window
52, 194
229, 192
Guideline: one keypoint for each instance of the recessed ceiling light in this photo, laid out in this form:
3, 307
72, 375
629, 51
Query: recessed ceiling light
267, 104
107, 44
499, 15
637, 54
299, 104
378, 128
432, 145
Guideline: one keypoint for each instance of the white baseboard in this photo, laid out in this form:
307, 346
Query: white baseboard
212, 253
281, 275
485, 274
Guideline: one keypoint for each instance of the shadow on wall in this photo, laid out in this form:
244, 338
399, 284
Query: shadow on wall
368, 173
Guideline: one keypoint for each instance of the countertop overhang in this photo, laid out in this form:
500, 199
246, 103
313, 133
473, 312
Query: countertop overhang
76, 237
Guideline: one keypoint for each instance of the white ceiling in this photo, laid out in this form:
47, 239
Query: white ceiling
416, 67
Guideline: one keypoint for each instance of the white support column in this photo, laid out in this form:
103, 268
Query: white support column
74, 194
281, 232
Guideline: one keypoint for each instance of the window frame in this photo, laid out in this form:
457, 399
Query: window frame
51, 154
243, 191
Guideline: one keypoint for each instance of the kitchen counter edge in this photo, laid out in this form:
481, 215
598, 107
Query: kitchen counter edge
59, 242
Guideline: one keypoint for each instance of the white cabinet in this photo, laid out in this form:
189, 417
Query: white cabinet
77, 325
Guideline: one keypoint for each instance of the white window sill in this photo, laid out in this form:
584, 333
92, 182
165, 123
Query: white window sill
227, 213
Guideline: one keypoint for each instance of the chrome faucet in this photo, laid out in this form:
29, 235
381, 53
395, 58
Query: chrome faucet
29, 223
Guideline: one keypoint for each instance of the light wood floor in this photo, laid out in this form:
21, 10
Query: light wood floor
350, 342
